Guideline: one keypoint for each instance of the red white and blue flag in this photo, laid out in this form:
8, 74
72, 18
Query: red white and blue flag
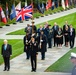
13, 12
25, 13
66, 3
18, 8
48, 4
3, 18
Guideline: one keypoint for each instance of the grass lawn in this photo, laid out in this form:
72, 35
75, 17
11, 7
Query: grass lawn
63, 64
17, 48
71, 18
9, 22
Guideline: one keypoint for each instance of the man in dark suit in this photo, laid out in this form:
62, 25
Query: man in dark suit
71, 36
55, 29
6, 52
64, 29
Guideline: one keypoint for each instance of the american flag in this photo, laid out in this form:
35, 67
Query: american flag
25, 13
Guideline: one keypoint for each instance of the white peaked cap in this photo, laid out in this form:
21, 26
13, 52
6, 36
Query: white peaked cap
73, 54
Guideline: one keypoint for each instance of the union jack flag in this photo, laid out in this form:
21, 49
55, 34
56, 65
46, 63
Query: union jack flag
25, 13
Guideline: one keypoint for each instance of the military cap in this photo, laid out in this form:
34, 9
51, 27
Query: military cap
73, 55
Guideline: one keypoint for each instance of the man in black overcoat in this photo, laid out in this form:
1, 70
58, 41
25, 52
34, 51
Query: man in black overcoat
6, 53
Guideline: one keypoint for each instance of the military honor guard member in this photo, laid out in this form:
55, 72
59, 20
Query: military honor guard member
6, 53
33, 54
50, 36
73, 60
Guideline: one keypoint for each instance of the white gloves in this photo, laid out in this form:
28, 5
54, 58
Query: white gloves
41, 40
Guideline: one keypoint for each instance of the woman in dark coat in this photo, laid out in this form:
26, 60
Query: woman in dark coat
59, 36
26, 45
42, 41
66, 35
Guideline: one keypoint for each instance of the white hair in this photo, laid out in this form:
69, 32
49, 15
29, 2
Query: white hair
5, 40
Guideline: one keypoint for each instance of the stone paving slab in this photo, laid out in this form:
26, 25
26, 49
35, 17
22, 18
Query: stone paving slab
37, 73
20, 62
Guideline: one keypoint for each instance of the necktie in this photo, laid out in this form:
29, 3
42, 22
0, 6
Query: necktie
71, 32
4, 47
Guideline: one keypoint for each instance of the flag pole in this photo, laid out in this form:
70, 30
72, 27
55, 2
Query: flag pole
25, 2
32, 15
33, 8
7, 11
14, 6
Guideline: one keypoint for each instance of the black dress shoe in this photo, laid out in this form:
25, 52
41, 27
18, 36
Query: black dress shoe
7, 69
43, 59
31, 70
34, 70
27, 58
4, 70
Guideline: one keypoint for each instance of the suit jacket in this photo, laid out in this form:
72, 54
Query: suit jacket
74, 70
39, 30
8, 50
64, 26
73, 33
55, 31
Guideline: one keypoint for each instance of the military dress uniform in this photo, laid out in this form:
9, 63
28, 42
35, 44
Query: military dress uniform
33, 55
74, 70
50, 36
73, 60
